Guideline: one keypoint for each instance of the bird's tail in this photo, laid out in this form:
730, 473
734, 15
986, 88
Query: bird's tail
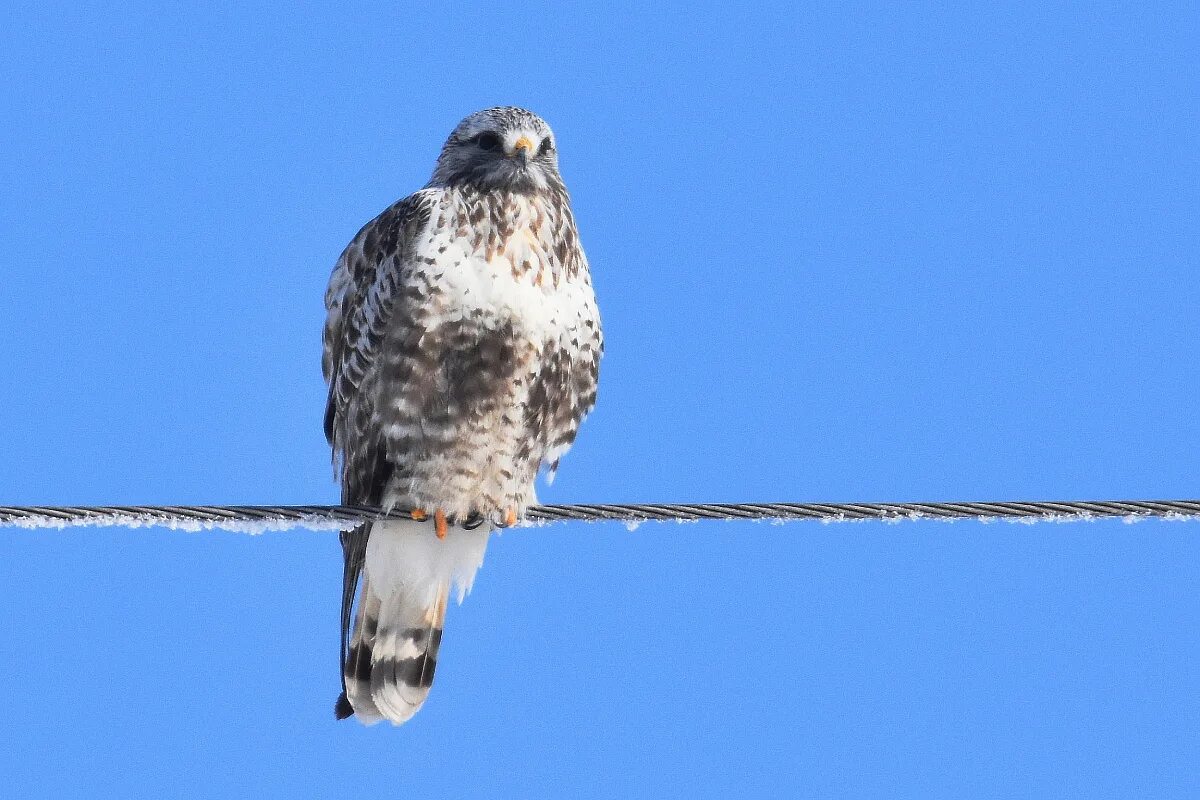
390, 652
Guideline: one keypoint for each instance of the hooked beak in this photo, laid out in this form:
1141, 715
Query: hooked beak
522, 149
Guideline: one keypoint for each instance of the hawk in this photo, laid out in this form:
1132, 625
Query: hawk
462, 349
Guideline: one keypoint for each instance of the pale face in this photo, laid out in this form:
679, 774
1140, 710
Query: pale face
500, 148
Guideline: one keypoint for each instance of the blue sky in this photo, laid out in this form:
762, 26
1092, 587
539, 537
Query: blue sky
881, 252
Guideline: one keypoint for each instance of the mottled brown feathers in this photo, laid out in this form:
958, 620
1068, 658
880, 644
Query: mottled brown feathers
462, 350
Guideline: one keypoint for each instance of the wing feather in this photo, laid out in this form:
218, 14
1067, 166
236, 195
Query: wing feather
359, 304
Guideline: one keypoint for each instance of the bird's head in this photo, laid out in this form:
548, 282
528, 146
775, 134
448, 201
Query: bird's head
500, 148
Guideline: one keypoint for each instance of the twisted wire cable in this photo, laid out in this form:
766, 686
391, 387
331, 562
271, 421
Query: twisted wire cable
256, 519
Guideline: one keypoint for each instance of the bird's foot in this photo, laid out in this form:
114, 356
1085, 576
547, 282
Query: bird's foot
440, 524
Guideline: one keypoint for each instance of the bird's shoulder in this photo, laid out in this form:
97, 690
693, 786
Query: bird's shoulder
388, 236
367, 267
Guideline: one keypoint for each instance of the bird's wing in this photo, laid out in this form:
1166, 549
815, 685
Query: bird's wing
361, 301
565, 389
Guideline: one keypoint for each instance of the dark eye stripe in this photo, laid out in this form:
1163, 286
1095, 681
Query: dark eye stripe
487, 141
545, 147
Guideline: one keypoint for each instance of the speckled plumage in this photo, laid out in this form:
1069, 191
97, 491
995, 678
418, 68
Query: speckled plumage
462, 348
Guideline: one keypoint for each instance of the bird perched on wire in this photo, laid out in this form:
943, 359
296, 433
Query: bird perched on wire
462, 348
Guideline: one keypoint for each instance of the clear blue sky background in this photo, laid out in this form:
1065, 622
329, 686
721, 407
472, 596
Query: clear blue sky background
863, 253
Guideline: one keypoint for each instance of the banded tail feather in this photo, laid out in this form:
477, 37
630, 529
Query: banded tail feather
402, 575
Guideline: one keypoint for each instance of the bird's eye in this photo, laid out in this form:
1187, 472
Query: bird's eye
488, 141
545, 147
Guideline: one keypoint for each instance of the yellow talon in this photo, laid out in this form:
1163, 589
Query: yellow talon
439, 523
510, 517
419, 514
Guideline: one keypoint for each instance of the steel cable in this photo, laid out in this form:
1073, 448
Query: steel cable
262, 518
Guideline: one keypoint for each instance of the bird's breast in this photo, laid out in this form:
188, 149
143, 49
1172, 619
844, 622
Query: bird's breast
496, 264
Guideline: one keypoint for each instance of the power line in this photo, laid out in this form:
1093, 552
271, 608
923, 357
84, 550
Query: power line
255, 519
